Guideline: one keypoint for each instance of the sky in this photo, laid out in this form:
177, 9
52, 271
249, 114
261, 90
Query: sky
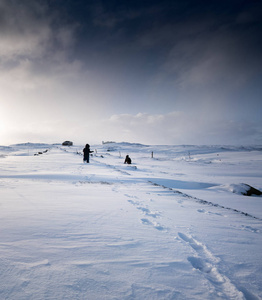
151, 72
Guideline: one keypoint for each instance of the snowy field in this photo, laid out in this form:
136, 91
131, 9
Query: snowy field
171, 226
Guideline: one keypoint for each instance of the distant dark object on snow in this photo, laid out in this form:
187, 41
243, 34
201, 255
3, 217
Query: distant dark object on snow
67, 143
251, 191
41, 152
128, 160
86, 152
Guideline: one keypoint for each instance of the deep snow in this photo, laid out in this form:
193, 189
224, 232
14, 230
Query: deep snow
171, 226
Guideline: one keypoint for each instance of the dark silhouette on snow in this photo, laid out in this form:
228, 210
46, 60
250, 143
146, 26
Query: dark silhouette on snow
128, 160
86, 152
251, 191
67, 143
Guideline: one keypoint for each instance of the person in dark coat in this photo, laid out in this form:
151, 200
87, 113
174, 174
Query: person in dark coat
86, 152
128, 160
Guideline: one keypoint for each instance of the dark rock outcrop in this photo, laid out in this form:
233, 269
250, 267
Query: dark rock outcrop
251, 191
67, 143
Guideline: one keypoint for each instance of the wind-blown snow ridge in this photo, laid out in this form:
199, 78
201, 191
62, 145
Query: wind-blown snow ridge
207, 202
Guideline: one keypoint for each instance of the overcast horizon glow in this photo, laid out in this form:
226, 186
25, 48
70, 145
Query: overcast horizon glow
166, 72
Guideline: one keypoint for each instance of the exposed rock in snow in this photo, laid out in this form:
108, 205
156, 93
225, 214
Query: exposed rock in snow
67, 143
244, 189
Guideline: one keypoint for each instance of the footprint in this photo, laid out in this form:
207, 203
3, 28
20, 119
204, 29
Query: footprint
217, 214
148, 212
198, 247
154, 224
153, 214
249, 228
201, 210
200, 264
146, 222
133, 202
158, 226
130, 196
143, 209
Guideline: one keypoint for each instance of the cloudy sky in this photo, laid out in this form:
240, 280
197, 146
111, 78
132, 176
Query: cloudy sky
152, 72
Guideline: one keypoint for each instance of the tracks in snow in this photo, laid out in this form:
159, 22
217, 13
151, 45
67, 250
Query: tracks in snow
150, 216
206, 263
201, 259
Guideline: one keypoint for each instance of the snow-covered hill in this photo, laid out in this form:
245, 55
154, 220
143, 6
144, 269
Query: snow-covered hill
172, 225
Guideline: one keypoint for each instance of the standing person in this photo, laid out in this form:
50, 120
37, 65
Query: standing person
127, 160
86, 152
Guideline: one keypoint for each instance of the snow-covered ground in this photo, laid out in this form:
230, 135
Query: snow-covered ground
171, 226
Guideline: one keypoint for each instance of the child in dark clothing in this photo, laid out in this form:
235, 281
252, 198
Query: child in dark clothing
86, 152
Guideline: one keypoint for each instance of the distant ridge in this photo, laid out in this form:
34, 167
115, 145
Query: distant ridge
31, 145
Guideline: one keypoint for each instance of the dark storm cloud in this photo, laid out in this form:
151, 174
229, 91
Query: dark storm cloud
184, 43
178, 46
35, 43
32, 30
132, 27
20, 29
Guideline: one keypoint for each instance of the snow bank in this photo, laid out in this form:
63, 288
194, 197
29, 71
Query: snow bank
244, 189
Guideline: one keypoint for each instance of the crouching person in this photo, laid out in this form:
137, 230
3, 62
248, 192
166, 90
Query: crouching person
128, 160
